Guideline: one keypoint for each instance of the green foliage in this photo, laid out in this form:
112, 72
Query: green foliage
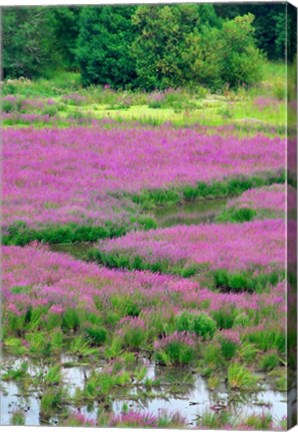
16, 374
53, 376
103, 45
134, 337
18, 418
269, 361
20, 234
228, 348
212, 355
262, 422
28, 41
212, 420
240, 378
51, 402
245, 280
241, 320
248, 352
203, 326
267, 340
100, 385
97, 335
175, 353
238, 215
224, 318
242, 61
70, 321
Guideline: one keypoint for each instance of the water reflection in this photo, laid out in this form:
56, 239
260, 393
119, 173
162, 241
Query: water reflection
179, 391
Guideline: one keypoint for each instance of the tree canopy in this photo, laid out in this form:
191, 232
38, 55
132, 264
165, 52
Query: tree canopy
146, 46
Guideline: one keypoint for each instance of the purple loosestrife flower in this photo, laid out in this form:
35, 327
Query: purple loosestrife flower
46, 172
230, 246
180, 337
134, 418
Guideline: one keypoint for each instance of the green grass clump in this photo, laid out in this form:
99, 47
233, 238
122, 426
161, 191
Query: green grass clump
97, 335
18, 418
266, 340
202, 325
70, 320
269, 361
20, 234
17, 374
212, 356
53, 376
240, 378
248, 352
52, 402
244, 280
237, 215
175, 353
259, 422
149, 199
134, 338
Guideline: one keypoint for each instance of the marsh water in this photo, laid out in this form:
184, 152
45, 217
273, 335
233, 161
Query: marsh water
180, 390
190, 396
194, 212
190, 213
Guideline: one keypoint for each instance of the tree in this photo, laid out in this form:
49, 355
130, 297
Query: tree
269, 24
171, 50
28, 41
66, 30
103, 45
241, 60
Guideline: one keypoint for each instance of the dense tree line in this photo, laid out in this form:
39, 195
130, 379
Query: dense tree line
146, 46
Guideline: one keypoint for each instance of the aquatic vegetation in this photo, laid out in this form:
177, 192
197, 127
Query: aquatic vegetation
132, 332
133, 419
142, 419
269, 361
260, 203
52, 401
255, 246
18, 418
17, 374
230, 342
74, 160
79, 419
202, 325
53, 376
175, 349
240, 378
